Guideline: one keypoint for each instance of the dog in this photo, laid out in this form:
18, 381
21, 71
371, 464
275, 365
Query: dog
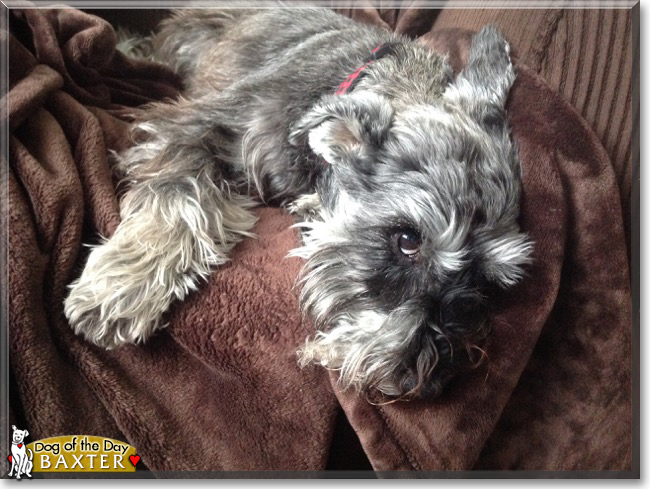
21, 464
405, 178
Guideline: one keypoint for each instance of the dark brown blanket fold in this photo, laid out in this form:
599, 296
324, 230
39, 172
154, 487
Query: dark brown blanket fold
220, 388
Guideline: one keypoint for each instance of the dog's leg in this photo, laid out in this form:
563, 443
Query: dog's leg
21, 467
29, 464
179, 219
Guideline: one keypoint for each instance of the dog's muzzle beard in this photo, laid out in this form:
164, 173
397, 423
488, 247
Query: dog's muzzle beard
411, 351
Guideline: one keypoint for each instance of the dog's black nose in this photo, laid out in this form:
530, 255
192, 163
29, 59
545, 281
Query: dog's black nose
431, 389
428, 389
409, 383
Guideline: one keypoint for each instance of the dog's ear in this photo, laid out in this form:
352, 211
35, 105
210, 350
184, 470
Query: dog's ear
503, 258
13, 427
481, 90
482, 87
341, 125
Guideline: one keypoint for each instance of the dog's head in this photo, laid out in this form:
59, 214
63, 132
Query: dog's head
18, 435
420, 207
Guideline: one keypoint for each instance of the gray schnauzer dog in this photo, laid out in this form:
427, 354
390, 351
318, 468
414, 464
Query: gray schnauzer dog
406, 179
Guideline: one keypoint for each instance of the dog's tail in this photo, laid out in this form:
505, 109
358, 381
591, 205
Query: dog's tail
134, 44
31, 454
179, 38
187, 33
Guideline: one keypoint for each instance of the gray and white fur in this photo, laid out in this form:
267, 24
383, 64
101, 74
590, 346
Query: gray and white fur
409, 185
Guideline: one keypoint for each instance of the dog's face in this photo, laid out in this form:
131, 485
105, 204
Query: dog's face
19, 435
419, 217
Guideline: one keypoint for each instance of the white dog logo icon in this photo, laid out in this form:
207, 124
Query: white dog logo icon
18, 458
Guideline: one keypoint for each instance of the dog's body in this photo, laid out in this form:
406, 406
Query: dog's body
21, 456
408, 180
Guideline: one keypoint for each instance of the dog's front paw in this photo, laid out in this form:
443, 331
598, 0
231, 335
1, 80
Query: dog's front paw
102, 323
117, 300
307, 206
106, 317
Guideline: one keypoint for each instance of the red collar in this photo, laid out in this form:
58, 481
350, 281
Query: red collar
379, 52
349, 83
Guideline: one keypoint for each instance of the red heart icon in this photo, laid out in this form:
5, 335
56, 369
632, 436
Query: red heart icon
134, 459
9, 458
20, 445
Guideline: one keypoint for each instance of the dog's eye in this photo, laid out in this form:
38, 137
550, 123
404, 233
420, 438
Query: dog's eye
409, 243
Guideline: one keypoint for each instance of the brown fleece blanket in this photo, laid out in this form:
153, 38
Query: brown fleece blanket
220, 388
